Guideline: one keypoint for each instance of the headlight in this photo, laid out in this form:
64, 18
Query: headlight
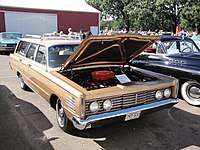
167, 93
107, 104
159, 95
94, 106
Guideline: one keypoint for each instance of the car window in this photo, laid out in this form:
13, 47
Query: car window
196, 39
197, 43
58, 54
186, 46
171, 47
31, 51
41, 55
22, 47
159, 49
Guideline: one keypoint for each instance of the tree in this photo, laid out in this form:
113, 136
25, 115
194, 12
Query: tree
150, 14
190, 16
118, 10
147, 16
171, 10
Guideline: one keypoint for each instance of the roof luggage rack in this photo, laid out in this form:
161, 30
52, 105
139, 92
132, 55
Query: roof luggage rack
33, 36
58, 36
54, 36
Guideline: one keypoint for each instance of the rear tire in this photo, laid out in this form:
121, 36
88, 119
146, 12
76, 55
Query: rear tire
64, 123
23, 84
190, 92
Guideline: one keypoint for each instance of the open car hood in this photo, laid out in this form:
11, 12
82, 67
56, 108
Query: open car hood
108, 50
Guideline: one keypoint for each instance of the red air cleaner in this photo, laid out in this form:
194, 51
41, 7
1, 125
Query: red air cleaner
102, 75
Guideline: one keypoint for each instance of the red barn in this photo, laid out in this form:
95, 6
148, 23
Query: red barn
42, 16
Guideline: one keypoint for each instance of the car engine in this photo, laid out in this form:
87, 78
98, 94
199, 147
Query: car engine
92, 79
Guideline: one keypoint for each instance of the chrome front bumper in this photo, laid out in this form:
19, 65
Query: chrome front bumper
84, 124
7, 49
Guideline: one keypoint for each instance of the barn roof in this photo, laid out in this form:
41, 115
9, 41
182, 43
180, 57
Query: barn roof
63, 5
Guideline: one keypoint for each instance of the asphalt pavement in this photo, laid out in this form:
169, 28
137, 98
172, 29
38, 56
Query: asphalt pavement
28, 122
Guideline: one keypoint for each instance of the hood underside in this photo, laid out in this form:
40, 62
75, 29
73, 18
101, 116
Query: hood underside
108, 50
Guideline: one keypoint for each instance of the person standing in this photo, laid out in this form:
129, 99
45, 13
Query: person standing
82, 34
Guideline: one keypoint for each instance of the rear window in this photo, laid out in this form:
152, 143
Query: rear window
23, 47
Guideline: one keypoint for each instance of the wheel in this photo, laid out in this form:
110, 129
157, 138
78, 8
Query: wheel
64, 123
23, 84
190, 92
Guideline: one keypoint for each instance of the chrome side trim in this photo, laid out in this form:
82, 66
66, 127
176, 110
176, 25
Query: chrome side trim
82, 124
71, 103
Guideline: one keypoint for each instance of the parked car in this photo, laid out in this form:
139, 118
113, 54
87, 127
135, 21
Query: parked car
8, 41
90, 83
178, 57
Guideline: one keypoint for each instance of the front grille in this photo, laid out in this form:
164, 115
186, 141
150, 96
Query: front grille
126, 100
11, 45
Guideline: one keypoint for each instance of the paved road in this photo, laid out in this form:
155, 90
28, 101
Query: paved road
27, 122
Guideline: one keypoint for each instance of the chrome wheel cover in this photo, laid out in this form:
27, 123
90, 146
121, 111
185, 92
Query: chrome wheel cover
193, 92
60, 114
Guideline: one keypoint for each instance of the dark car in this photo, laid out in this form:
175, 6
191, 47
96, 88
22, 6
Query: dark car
178, 57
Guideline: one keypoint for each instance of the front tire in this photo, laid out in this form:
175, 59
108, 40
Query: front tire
190, 92
64, 123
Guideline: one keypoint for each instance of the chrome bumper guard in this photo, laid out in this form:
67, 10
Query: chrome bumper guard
84, 124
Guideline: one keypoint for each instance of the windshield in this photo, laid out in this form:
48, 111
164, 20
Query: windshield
196, 39
58, 54
10, 35
184, 46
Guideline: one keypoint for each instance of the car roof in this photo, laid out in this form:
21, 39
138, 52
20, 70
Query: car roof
173, 38
51, 41
11, 32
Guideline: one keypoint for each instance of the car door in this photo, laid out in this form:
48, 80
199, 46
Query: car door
38, 71
26, 64
153, 61
153, 57
16, 60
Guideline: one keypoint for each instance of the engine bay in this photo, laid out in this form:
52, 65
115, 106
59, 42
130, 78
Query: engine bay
96, 78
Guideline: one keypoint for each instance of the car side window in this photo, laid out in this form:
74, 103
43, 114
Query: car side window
160, 49
31, 51
22, 48
171, 47
186, 46
41, 55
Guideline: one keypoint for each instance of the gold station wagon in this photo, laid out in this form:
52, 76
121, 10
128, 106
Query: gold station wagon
91, 83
